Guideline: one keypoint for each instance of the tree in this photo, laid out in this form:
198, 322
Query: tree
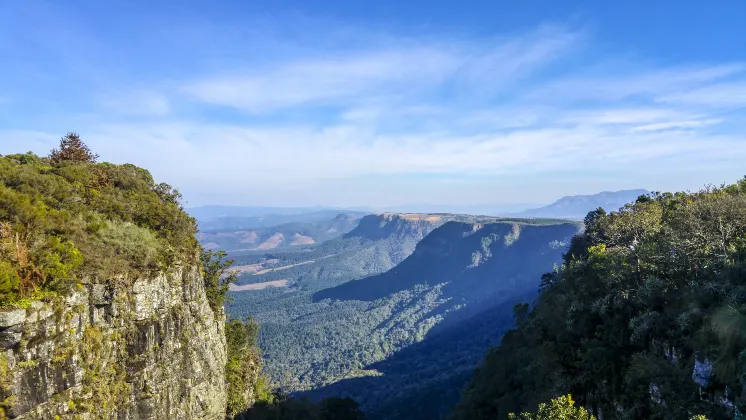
72, 149
216, 279
245, 384
562, 408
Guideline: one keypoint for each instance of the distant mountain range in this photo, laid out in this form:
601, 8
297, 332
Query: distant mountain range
270, 214
577, 206
235, 234
568, 207
265, 220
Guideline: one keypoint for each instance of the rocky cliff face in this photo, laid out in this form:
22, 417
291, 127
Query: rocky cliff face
384, 225
148, 349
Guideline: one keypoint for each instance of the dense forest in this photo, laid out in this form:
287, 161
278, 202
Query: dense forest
645, 318
317, 335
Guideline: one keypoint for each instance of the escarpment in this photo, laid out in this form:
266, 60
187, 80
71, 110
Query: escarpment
151, 348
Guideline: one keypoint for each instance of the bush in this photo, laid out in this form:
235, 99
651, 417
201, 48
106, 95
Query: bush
562, 408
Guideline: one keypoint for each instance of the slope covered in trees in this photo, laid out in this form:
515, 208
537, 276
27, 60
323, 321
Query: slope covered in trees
646, 317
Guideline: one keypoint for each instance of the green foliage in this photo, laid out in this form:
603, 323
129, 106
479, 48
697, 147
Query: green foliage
65, 218
562, 408
644, 319
5, 374
217, 280
729, 324
245, 383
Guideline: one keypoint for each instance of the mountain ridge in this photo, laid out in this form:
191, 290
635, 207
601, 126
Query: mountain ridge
577, 206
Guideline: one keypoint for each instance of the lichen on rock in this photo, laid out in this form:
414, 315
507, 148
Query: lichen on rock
126, 350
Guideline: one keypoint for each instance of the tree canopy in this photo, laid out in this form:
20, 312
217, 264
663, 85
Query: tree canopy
646, 317
65, 218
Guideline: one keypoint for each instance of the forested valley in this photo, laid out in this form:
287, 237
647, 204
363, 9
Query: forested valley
635, 313
354, 308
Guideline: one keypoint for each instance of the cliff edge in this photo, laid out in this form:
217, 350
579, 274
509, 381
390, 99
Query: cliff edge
149, 350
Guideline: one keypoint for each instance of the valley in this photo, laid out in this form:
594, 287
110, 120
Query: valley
392, 295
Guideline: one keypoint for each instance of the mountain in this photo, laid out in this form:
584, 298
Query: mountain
286, 235
454, 295
227, 223
577, 206
459, 208
215, 212
467, 256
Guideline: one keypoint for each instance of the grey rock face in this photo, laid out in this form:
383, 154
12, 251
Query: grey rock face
149, 349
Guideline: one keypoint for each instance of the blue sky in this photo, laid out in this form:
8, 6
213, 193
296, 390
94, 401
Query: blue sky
384, 103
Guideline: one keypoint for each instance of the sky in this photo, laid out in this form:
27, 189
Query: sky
343, 103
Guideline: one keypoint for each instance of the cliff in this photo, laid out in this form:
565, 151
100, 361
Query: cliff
469, 256
149, 350
104, 310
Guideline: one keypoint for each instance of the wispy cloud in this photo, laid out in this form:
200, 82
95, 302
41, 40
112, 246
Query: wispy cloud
407, 67
719, 95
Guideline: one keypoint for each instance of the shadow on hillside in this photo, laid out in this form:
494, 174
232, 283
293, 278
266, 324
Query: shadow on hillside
425, 380
448, 255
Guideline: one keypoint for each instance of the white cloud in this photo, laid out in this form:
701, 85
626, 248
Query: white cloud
614, 85
324, 81
676, 124
719, 95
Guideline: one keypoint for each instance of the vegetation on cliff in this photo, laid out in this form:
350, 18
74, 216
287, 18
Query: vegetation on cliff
646, 318
66, 217
245, 383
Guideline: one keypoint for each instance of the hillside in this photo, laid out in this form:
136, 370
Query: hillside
287, 235
286, 309
455, 293
577, 206
100, 286
646, 318
467, 254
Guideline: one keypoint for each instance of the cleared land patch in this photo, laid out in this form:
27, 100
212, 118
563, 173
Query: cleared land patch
258, 286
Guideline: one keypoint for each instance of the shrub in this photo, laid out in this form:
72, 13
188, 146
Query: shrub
559, 408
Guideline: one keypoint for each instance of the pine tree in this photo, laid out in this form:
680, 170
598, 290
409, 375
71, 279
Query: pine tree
72, 149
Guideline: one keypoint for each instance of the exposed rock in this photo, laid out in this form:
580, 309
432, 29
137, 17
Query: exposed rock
10, 318
152, 349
